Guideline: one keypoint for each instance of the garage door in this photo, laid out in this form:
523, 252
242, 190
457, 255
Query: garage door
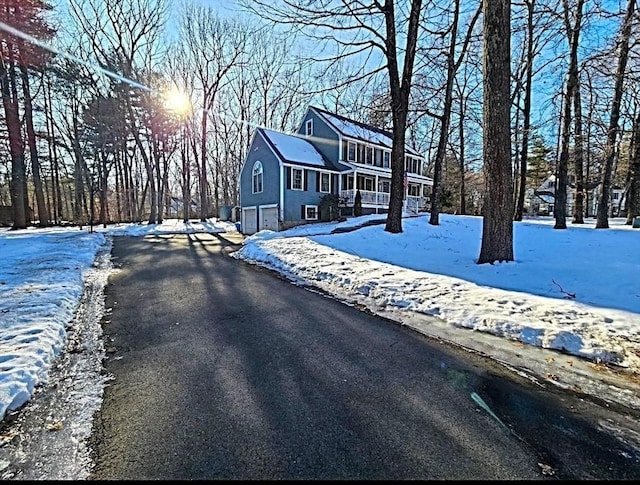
249, 220
269, 218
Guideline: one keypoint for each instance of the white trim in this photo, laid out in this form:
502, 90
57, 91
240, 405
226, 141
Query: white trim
244, 162
326, 122
355, 151
261, 209
308, 124
253, 175
305, 212
384, 172
267, 143
284, 163
243, 218
283, 187
320, 174
301, 179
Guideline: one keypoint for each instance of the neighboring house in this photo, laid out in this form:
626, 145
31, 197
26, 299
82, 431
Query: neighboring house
284, 177
176, 208
544, 199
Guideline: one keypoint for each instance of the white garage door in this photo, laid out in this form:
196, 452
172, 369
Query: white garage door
249, 220
269, 218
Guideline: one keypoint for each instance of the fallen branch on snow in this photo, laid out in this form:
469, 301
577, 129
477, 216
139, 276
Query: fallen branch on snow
567, 295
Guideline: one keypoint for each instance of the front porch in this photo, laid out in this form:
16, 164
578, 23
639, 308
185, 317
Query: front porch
380, 200
375, 192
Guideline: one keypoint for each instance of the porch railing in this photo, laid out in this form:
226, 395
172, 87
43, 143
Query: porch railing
381, 199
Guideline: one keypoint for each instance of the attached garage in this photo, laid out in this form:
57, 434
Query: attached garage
249, 220
256, 219
268, 217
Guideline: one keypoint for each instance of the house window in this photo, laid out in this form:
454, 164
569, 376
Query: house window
309, 127
384, 186
347, 182
360, 148
412, 165
257, 177
351, 151
311, 212
413, 190
386, 159
366, 183
368, 155
325, 182
378, 157
297, 182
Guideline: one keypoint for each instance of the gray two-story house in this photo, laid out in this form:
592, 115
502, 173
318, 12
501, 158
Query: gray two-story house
285, 176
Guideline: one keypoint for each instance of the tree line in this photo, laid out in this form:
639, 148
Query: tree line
498, 95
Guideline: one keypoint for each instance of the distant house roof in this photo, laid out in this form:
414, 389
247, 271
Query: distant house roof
360, 131
293, 148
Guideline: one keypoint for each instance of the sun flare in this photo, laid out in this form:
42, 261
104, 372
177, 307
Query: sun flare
177, 101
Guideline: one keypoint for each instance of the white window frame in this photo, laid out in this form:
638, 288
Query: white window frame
315, 213
386, 159
355, 151
308, 128
367, 183
384, 184
368, 155
254, 177
322, 175
293, 178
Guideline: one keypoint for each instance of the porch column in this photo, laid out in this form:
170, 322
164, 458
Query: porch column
377, 189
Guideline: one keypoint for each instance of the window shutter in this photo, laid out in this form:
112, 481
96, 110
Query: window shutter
302, 212
334, 184
318, 177
289, 178
306, 180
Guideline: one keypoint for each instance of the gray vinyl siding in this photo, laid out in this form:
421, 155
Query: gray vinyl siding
329, 148
271, 175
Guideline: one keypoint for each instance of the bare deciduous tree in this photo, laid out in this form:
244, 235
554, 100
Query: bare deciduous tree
455, 57
602, 221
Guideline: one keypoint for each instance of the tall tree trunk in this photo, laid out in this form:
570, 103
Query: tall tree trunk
56, 195
445, 120
78, 172
148, 165
497, 227
578, 154
400, 89
463, 195
602, 221
16, 144
186, 176
526, 114
41, 205
562, 171
633, 195
204, 200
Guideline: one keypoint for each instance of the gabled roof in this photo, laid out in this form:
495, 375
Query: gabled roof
359, 131
294, 149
